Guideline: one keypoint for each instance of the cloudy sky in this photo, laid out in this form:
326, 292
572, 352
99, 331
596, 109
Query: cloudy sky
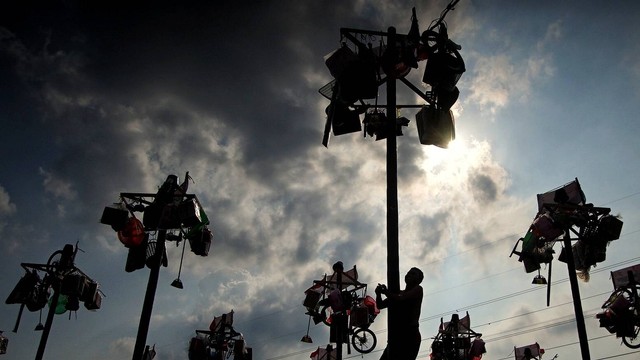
99, 100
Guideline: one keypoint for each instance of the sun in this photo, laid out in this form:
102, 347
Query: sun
455, 145
436, 156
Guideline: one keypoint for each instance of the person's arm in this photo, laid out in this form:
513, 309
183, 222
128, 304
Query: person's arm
413, 293
381, 303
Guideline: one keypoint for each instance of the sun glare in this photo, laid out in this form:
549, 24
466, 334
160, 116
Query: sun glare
435, 156
454, 145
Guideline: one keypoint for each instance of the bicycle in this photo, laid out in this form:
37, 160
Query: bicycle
325, 303
361, 312
220, 342
456, 341
621, 313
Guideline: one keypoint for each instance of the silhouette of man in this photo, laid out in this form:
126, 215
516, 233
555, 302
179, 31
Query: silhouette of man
406, 307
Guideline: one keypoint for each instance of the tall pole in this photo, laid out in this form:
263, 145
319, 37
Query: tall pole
341, 318
48, 322
147, 307
15, 327
577, 303
393, 262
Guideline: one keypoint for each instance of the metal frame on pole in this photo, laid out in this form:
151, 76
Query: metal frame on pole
577, 303
391, 54
393, 262
55, 273
149, 297
154, 273
573, 280
587, 214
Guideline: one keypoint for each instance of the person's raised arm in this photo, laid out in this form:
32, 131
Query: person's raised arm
413, 293
380, 302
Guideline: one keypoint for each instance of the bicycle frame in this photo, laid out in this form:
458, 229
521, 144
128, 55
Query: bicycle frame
344, 295
621, 313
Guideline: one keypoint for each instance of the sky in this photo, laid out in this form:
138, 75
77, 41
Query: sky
96, 100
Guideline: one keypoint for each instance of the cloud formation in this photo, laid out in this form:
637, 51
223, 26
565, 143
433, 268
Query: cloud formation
101, 100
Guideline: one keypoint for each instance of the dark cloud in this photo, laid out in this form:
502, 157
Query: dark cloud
101, 99
431, 233
483, 188
474, 238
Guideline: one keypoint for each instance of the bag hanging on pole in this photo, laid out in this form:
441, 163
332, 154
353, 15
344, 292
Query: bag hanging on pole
609, 228
544, 226
356, 75
151, 216
24, 287
189, 213
137, 256
115, 216
435, 126
132, 234
200, 240
444, 69
38, 298
343, 120
152, 254
197, 349
73, 285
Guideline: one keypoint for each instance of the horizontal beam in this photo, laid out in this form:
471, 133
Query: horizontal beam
52, 268
148, 198
350, 32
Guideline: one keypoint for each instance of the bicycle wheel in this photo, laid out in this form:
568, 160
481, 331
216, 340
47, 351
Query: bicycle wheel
54, 259
632, 342
624, 292
363, 340
430, 40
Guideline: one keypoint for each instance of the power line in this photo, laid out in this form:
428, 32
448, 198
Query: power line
506, 237
615, 356
622, 198
576, 342
512, 295
537, 326
539, 310
526, 291
522, 292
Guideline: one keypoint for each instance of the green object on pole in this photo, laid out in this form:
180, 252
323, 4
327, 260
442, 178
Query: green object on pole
61, 304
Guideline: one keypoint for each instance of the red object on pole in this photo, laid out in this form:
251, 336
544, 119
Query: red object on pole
133, 233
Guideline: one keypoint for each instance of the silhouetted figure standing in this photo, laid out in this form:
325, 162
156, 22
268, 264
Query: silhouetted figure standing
406, 307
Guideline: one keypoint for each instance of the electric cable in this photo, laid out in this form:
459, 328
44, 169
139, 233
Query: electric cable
483, 303
536, 326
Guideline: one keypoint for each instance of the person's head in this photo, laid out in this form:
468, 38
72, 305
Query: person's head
413, 277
